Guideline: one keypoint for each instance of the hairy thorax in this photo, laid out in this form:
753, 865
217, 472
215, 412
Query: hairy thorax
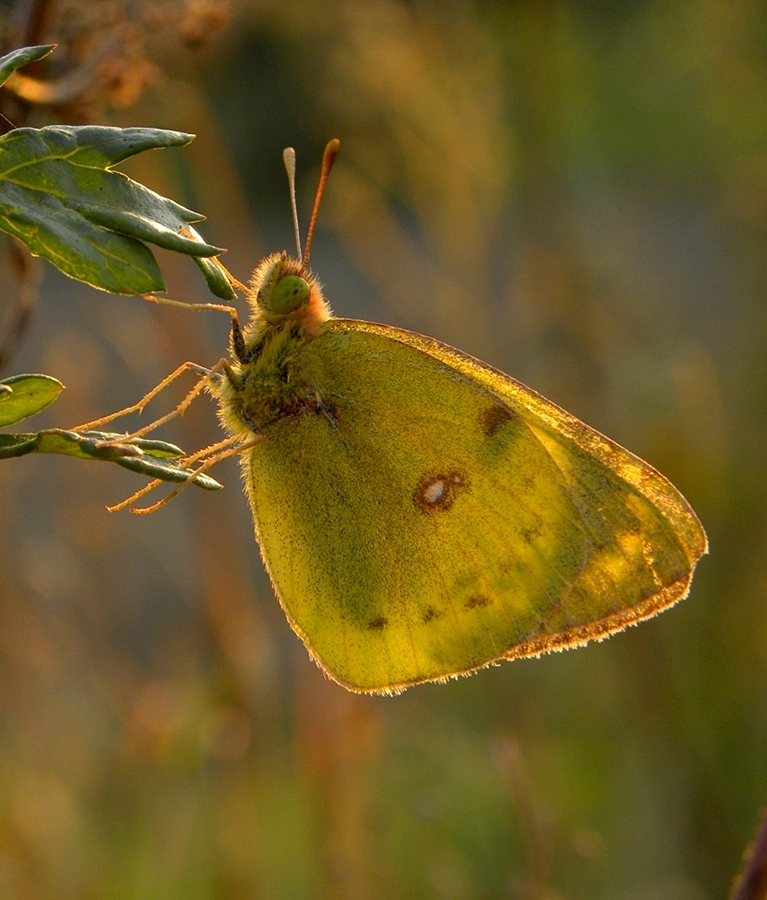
267, 388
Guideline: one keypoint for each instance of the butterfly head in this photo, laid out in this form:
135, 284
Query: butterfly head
282, 289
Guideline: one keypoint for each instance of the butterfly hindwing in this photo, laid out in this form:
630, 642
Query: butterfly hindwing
425, 515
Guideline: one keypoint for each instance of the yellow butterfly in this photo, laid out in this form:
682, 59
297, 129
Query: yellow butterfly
423, 515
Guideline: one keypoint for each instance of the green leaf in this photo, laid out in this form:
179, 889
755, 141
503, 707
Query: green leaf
16, 444
217, 282
214, 274
157, 459
59, 195
26, 395
22, 57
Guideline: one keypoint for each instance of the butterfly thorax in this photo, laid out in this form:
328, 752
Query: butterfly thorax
287, 312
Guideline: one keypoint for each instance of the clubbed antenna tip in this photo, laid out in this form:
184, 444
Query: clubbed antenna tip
289, 158
328, 157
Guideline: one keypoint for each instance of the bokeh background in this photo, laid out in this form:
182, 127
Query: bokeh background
575, 192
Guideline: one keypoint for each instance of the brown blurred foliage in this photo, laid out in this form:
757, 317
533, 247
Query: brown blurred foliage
574, 192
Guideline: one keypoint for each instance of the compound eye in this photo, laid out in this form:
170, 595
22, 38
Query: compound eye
290, 292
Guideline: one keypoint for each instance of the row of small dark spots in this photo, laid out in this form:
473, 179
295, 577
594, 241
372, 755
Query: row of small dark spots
477, 601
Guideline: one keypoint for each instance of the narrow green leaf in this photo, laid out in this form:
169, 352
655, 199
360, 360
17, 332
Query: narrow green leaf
157, 459
16, 444
22, 57
214, 274
218, 284
59, 196
26, 395
97, 439
166, 470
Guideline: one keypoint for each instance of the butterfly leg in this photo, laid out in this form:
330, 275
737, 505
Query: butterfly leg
222, 450
209, 376
196, 307
196, 457
139, 407
238, 341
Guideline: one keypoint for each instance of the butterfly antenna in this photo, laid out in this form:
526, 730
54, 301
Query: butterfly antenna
13, 127
328, 157
289, 158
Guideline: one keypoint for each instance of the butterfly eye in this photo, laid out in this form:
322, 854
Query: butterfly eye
290, 292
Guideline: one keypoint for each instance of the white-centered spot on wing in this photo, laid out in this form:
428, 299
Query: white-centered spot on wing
438, 491
435, 491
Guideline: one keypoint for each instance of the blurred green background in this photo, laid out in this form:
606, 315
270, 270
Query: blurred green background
575, 192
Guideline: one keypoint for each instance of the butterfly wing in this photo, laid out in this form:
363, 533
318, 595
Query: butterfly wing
429, 515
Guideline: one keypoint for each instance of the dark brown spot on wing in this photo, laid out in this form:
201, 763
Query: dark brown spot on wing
531, 534
437, 492
493, 418
431, 615
378, 624
477, 601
